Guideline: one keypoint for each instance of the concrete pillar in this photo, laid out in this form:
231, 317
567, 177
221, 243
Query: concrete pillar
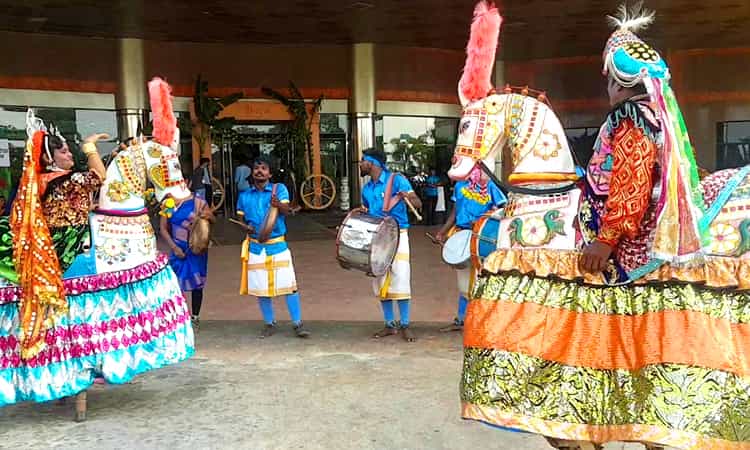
131, 97
362, 112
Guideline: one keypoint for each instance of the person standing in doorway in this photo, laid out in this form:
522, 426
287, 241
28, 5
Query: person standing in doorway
431, 196
242, 177
200, 182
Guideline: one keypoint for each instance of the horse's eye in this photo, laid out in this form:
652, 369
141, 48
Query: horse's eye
464, 126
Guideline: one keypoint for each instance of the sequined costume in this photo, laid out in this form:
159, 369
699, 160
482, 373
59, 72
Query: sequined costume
58, 333
662, 357
622, 187
66, 204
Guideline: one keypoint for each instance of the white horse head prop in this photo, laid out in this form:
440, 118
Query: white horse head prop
127, 176
526, 126
121, 231
492, 121
155, 160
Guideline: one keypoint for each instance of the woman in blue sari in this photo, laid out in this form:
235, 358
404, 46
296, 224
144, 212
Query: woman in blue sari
191, 269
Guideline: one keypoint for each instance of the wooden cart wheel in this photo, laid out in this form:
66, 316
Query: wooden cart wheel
218, 194
318, 192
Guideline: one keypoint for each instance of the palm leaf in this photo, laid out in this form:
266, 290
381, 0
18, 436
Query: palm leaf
276, 95
229, 99
294, 91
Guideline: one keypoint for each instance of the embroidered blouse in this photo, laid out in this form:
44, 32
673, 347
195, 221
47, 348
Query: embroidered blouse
622, 169
68, 199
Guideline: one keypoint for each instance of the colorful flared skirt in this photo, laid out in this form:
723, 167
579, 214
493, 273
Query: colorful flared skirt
666, 364
119, 325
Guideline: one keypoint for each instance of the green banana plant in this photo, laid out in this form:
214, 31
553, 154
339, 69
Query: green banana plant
298, 133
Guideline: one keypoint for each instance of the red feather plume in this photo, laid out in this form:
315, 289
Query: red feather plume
476, 81
165, 122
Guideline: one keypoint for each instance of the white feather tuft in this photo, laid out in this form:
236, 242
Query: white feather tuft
634, 20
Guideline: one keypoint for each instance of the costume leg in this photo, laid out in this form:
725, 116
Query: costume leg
403, 310
293, 305
390, 328
295, 312
463, 303
388, 316
266, 308
197, 299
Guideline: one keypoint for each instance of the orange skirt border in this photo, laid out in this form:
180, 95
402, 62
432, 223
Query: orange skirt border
608, 342
598, 433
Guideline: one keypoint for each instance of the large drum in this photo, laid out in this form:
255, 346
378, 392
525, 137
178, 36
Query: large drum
456, 250
367, 243
485, 236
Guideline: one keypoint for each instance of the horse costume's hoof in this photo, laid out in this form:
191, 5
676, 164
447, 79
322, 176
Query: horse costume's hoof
81, 400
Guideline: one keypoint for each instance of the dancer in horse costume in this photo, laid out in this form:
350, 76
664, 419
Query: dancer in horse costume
77, 304
613, 308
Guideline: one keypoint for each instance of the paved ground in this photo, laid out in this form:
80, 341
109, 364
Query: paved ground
337, 390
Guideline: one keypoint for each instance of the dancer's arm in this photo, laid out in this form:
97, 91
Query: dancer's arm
167, 236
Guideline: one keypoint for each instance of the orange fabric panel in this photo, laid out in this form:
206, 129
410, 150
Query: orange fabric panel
602, 341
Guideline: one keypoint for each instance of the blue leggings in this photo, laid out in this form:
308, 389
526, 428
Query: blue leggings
388, 315
463, 302
292, 304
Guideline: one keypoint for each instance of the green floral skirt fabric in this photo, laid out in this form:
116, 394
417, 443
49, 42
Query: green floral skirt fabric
69, 242
512, 383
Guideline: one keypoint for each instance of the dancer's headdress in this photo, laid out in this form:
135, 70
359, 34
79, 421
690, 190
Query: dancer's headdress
681, 229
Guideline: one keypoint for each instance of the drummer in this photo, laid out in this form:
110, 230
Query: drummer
472, 199
396, 283
267, 269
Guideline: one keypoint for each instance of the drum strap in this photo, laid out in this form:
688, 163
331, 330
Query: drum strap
388, 202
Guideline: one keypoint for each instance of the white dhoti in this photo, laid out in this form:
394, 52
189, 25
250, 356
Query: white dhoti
268, 275
464, 280
396, 283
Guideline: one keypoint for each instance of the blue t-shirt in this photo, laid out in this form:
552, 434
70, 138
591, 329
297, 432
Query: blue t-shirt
471, 204
429, 190
373, 195
253, 205
241, 173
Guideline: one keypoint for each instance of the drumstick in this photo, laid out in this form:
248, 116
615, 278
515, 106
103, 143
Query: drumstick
434, 239
413, 209
242, 224
237, 222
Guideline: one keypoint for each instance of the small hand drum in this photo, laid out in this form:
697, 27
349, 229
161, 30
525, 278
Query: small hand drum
456, 251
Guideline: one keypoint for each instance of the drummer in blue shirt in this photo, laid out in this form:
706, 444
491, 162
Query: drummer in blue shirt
472, 199
385, 195
267, 269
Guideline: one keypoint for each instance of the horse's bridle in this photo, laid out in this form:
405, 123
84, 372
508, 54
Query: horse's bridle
522, 190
